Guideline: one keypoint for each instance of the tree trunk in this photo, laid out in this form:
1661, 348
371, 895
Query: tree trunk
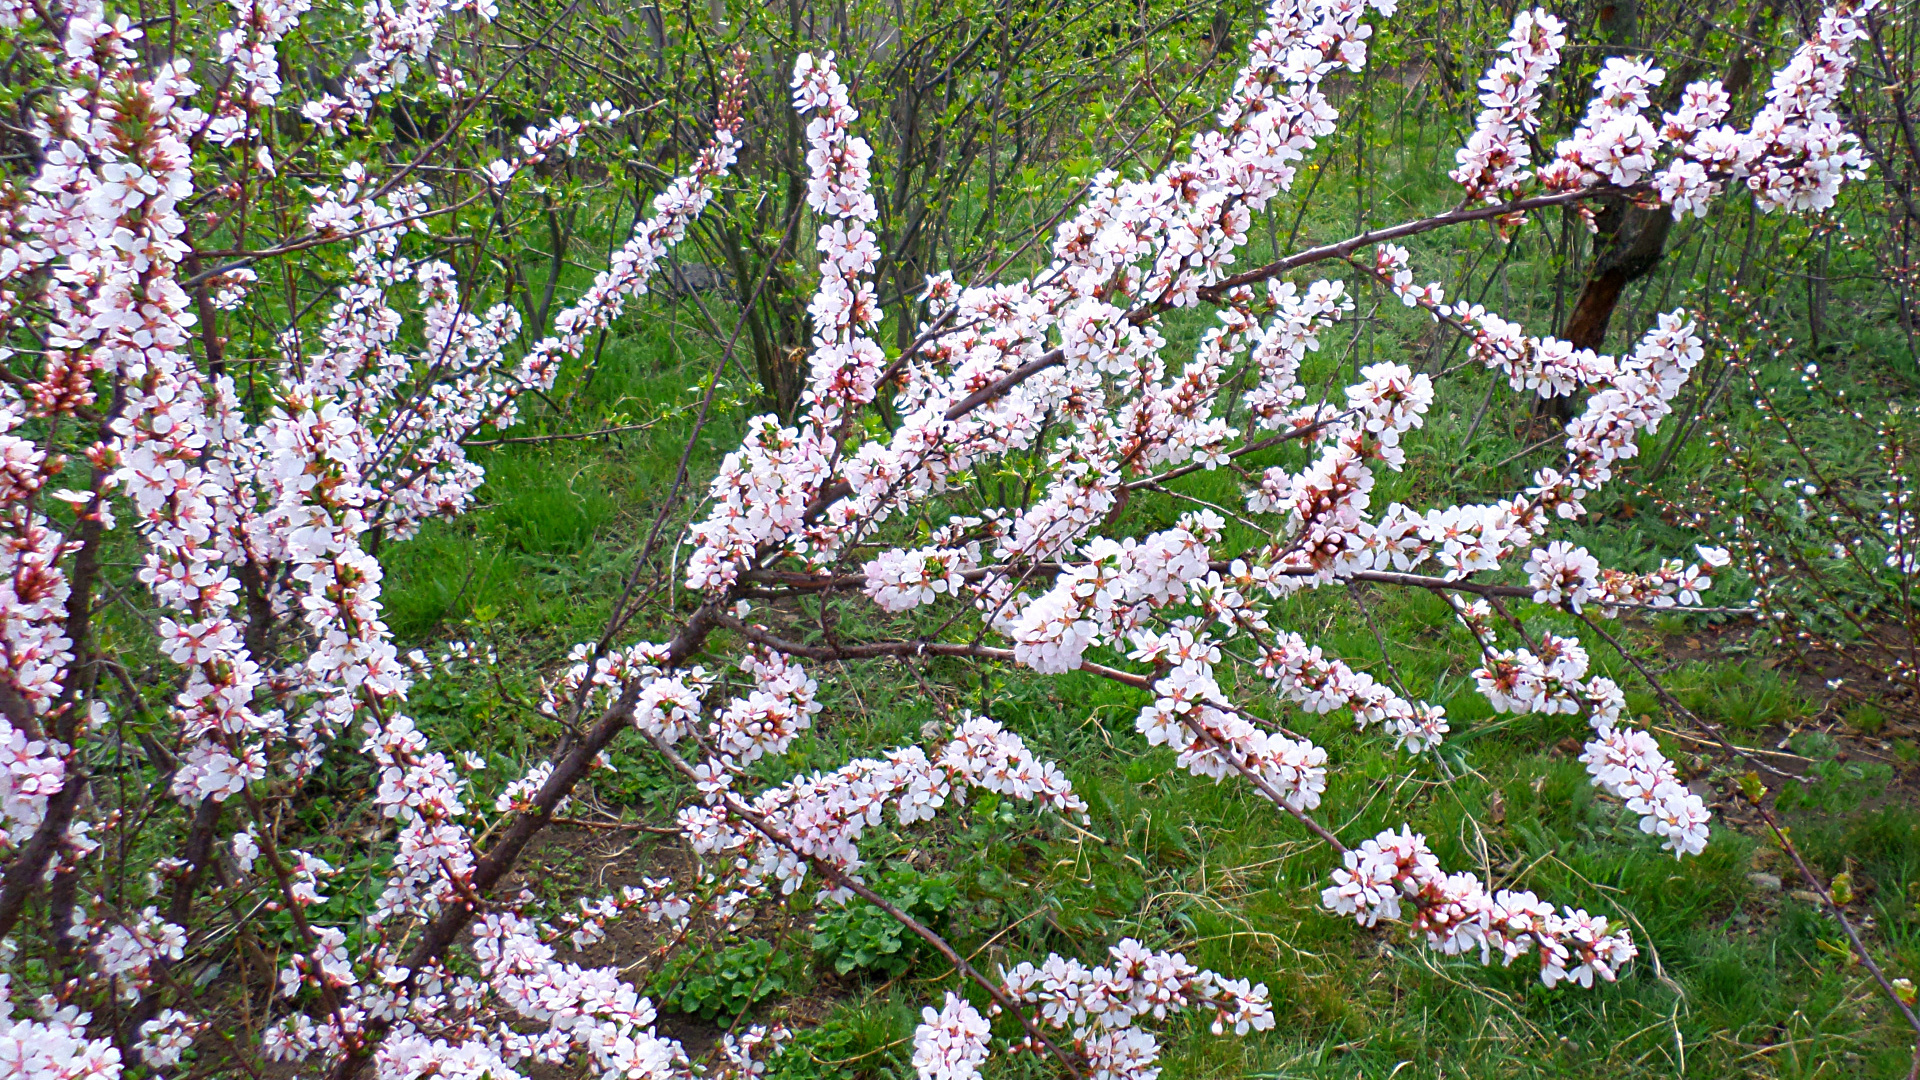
1625, 253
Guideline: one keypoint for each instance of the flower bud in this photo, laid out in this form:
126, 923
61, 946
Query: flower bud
1840, 889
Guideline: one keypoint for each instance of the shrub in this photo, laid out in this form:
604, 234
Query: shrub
250, 335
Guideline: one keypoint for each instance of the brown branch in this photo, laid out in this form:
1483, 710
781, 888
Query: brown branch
500, 858
1463, 216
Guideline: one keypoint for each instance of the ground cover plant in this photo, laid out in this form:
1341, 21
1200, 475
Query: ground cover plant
1131, 653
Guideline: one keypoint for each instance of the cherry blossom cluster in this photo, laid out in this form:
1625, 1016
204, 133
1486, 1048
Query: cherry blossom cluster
633, 265
592, 1009
126, 953
55, 1045
1185, 222
1898, 522
1112, 592
1301, 673
1632, 394
1459, 915
951, 1044
1553, 678
1799, 150
1686, 182
1324, 505
779, 833
765, 721
1795, 154
1102, 1006
578, 1011
398, 37
1565, 575
762, 491
250, 51
1191, 714
1628, 764
35, 650
1494, 163
902, 580
1292, 332
845, 365
1522, 681
249, 46
1615, 142
35, 772
1548, 366
1105, 1008
165, 1039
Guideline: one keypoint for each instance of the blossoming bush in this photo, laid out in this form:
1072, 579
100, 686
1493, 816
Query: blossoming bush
248, 496
1828, 540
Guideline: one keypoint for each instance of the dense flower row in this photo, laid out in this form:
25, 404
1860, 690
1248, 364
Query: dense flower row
1105, 1008
1459, 915
822, 817
354, 440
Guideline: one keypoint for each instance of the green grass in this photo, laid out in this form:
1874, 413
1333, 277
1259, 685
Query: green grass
1734, 980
